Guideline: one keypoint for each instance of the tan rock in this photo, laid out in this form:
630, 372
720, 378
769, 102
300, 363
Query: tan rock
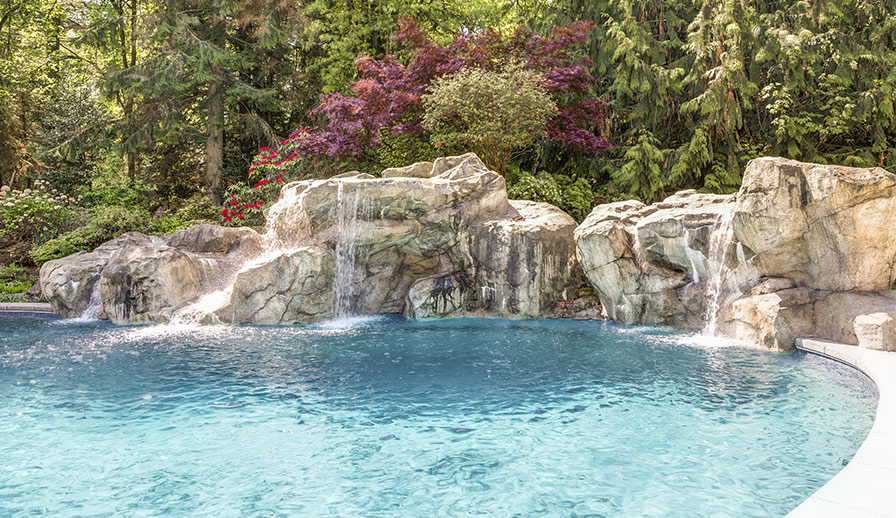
827, 227
292, 288
876, 331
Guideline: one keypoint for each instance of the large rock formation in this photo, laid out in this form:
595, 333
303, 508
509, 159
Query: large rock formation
136, 278
800, 250
429, 240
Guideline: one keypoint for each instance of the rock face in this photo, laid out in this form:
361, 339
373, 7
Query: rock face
428, 240
146, 278
800, 250
648, 264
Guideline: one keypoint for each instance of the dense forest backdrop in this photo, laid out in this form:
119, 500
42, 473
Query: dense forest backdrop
163, 106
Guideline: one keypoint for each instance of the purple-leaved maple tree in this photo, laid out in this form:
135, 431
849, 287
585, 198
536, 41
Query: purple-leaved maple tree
387, 98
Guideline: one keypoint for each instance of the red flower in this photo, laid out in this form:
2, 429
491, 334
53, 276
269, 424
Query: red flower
278, 181
232, 202
438, 144
224, 212
228, 218
282, 142
264, 148
241, 216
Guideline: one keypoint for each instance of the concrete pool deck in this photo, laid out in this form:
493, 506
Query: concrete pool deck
866, 487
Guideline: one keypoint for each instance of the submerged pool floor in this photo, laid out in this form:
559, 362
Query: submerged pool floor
392, 418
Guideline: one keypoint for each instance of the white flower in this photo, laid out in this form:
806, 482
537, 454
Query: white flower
5, 188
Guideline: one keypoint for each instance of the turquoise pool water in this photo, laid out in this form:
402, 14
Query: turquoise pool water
394, 418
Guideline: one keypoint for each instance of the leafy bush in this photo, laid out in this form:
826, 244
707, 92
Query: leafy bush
197, 207
103, 223
107, 187
491, 113
574, 196
170, 224
387, 98
30, 217
14, 279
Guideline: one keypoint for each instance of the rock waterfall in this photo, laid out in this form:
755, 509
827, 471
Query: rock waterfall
801, 250
428, 240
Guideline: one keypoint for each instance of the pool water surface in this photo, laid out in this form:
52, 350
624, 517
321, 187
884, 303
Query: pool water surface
395, 418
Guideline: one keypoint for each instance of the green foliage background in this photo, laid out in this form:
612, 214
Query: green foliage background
143, 108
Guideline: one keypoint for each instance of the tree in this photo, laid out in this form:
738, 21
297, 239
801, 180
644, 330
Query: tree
492, 113
212, 70
387, 100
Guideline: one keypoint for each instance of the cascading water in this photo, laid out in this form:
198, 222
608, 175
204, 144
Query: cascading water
718, 273
347, 224
95, 305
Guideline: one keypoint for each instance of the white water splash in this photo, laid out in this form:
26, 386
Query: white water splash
716, 284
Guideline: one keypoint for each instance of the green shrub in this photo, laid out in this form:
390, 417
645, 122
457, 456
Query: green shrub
169, 224
14, 279
537, 187
492, 113
575, 197
197, 207
103, 223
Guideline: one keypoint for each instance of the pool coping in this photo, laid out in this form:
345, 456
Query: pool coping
26, 307
866, 487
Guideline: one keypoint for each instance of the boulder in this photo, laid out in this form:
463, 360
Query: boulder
439, 296
147, 283
801, 249
826, 227
523, 265
69, 283
773, 320
650, 264
138, 278
876, 331
291, 288
836, 313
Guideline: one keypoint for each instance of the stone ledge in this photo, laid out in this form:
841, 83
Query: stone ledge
26, 307
864, 488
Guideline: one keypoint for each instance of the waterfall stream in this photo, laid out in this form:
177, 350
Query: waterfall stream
95, 306
347, 226
716, 289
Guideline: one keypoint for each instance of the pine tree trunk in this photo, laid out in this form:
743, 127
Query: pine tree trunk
132, 165
214, 147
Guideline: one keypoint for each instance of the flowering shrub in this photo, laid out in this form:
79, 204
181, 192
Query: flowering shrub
244, 203
387, 99
33, 216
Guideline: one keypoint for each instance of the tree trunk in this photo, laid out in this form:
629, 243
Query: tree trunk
214, 147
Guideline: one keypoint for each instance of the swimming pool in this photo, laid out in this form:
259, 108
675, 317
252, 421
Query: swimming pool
394, 418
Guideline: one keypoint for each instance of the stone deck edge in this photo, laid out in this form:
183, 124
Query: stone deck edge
866, 487
26, 307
